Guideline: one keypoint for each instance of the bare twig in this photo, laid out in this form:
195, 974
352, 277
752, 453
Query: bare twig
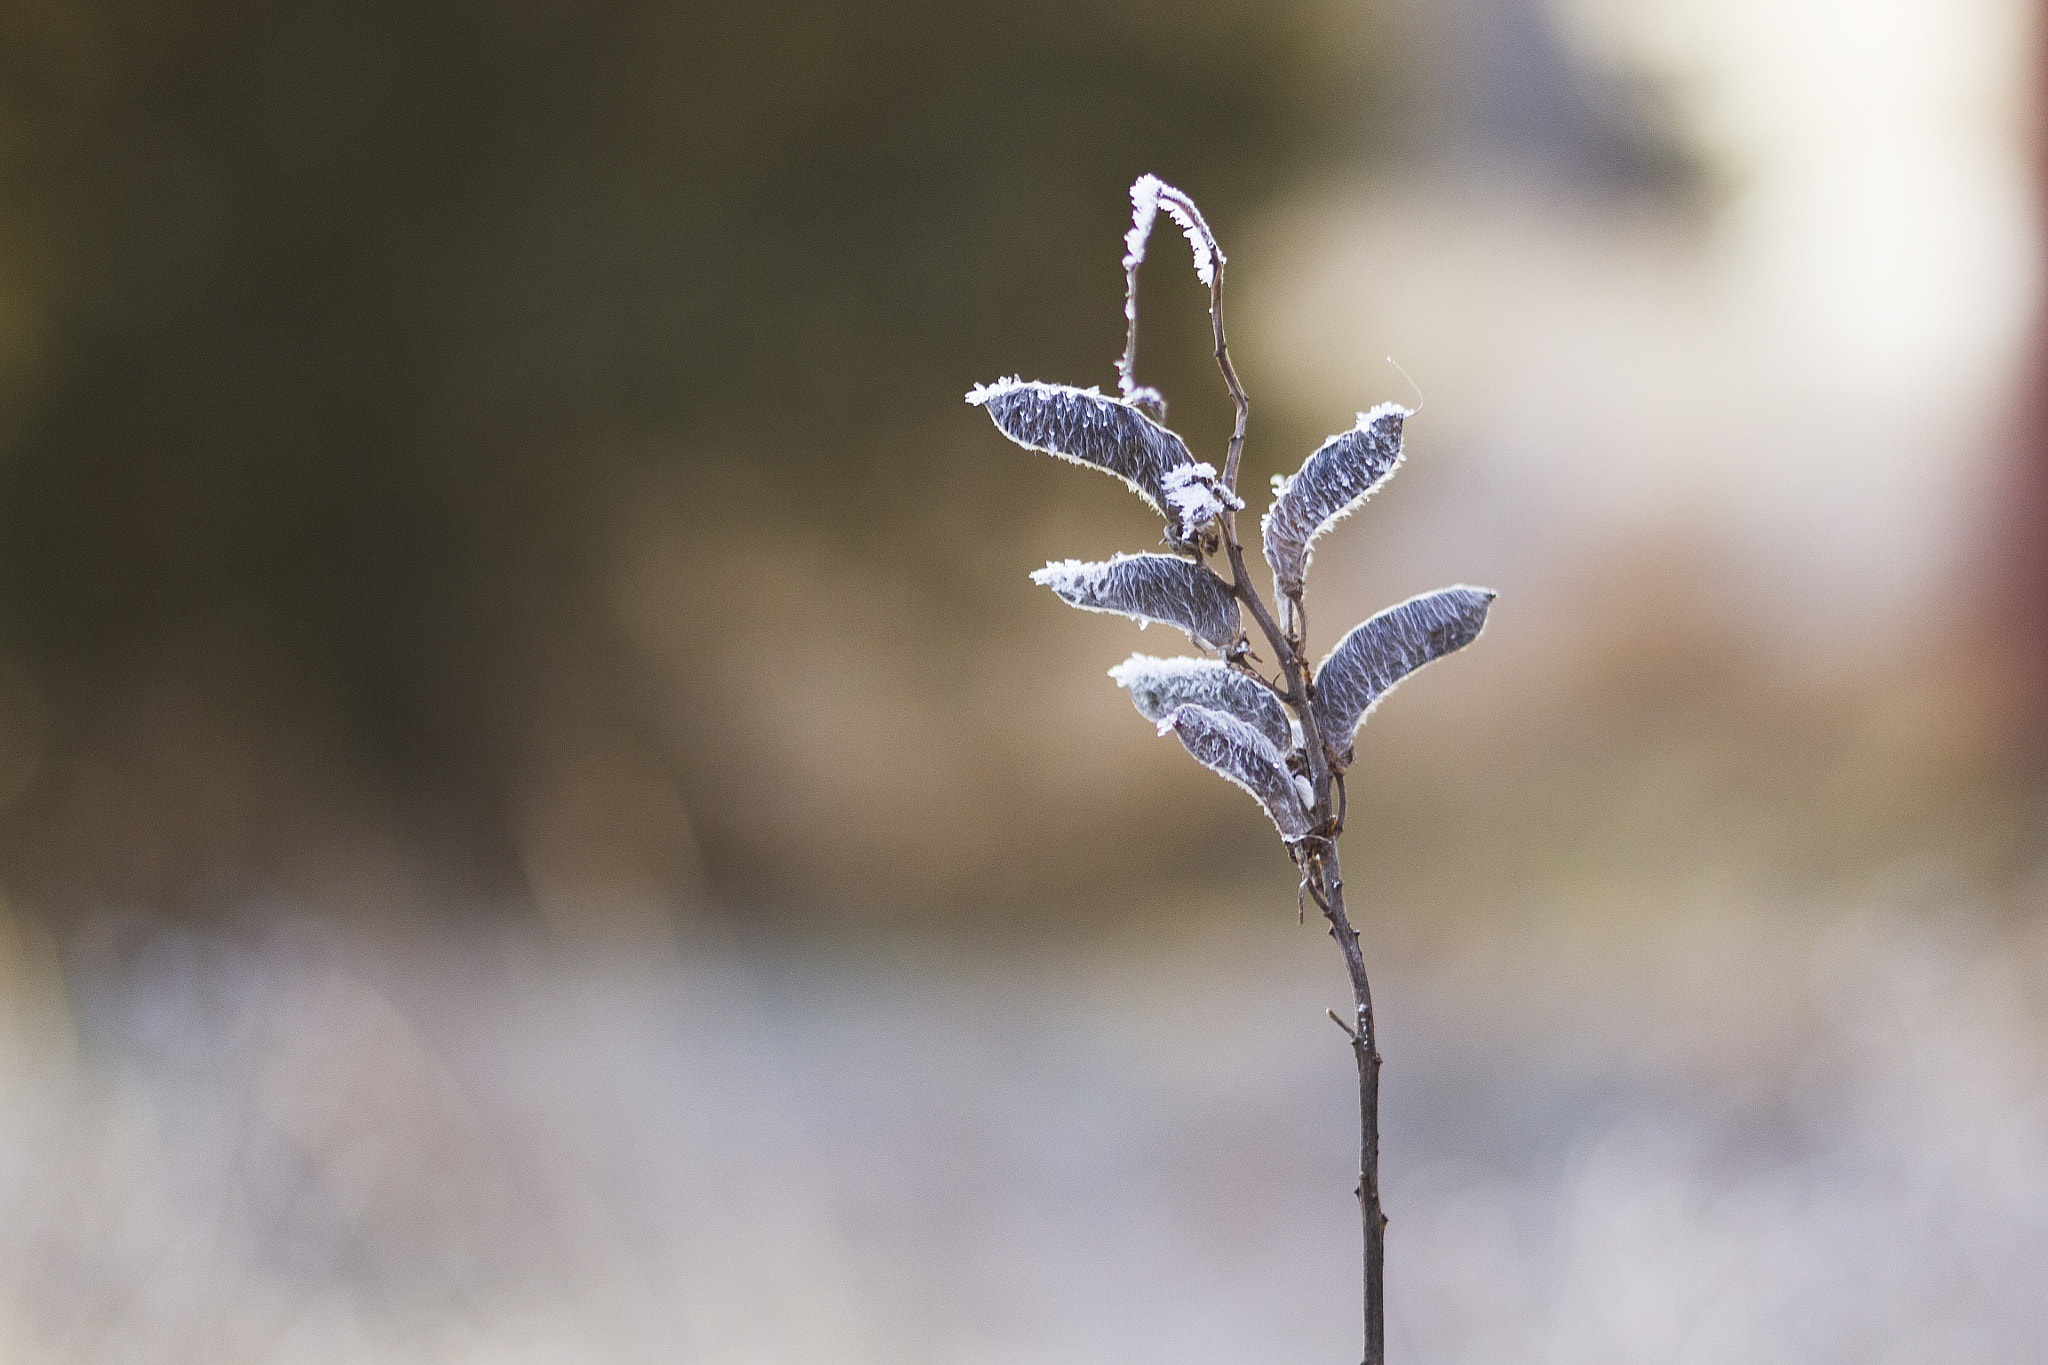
1322, 877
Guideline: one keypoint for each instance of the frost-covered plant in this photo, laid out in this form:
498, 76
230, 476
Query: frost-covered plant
1287, 739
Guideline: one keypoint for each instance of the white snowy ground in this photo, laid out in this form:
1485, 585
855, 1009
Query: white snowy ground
1756, 1134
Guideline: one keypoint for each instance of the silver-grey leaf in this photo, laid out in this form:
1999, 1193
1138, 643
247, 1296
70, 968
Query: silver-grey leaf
1158, 687
1227, 745
1330, 484
1367, 663
1091, 428
1166, 588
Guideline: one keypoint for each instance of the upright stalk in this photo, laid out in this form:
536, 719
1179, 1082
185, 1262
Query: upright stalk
1327, 885
1317, 854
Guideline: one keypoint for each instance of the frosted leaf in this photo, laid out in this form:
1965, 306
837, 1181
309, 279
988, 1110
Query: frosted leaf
1178, 592
1329, 485
1159, 686
1225, 744
1087, 427
1367, 663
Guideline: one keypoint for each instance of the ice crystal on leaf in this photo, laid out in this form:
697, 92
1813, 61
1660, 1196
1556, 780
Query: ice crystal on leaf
1149, 195
1144, 210
1196, 497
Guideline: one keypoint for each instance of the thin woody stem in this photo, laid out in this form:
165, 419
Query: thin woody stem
1318, 853
1237, 395
1326, 885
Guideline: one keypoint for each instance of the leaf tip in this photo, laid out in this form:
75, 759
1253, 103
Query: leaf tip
979, 395
1382, 411
1058, 573
1485, 597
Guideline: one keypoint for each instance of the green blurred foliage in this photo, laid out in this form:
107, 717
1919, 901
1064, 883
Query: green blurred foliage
344, 331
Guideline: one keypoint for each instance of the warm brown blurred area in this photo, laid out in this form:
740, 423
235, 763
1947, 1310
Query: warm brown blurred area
542, 819
423, 422
478, 455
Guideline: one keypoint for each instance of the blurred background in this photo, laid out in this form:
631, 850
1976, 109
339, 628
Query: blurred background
541, 818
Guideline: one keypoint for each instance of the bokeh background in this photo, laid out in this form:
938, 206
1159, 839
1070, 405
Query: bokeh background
542, 820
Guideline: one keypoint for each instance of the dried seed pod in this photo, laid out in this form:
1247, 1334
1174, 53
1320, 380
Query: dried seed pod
1090, 428
1225, 744
1330, 484
1158, 687
1166, 588
1374, 656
